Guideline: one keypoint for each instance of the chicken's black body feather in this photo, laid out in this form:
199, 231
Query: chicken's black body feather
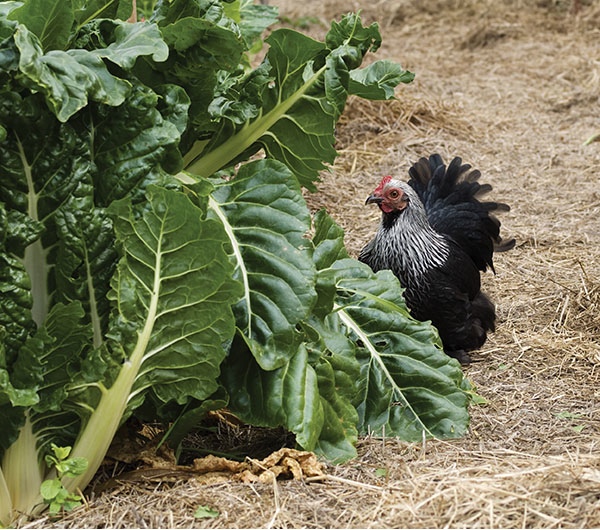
436, 235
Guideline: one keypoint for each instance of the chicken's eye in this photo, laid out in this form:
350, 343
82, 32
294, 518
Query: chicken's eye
394, 194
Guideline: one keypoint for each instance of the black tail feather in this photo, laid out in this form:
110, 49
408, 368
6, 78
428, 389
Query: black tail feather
451, 196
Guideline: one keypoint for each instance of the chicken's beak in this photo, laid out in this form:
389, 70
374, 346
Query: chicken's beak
374, 199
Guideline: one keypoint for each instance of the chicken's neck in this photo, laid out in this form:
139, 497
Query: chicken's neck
409, 242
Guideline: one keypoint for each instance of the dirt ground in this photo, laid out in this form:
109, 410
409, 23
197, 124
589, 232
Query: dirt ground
513, 88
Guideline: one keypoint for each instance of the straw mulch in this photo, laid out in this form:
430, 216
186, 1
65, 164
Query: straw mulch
513, 88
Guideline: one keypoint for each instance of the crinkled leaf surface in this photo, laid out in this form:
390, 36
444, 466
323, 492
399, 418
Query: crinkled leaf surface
310, 396
302, 139
125, 42
55, 360
49, 363
171, 314
287, 396
86, 257
266, 219
173, 290
378, 80
312, 393
304, 88
13, 400
15, 303
42, 162
134, 146
204, 44
333, 357
48, 169
329, 247
67, 78
408, 386
349, 31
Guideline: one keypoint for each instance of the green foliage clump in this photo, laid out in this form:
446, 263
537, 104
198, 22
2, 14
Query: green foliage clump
53, 492
152, 265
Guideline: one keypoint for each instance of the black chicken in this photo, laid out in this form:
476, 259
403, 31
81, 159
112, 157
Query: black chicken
436, 236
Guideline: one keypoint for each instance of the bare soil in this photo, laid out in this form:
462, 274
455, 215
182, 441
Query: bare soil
513, 88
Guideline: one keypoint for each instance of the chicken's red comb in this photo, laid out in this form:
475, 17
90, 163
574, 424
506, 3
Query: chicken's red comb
384, 181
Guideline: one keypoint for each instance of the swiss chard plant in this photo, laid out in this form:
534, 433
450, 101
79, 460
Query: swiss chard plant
154, 257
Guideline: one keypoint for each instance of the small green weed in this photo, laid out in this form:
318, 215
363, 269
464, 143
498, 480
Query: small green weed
206, 512
52, 490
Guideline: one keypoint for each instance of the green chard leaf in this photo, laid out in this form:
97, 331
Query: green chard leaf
171, 314
378, 80
86, 257
136, 145
49, 362
174, 282
312, 393
13, 400
266, 218
408, 386
252, 19
67, 79
50, 20
42, 162
287, 396
303, 89
70, 79
203, 44
15, 303
123, 43
333, 357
